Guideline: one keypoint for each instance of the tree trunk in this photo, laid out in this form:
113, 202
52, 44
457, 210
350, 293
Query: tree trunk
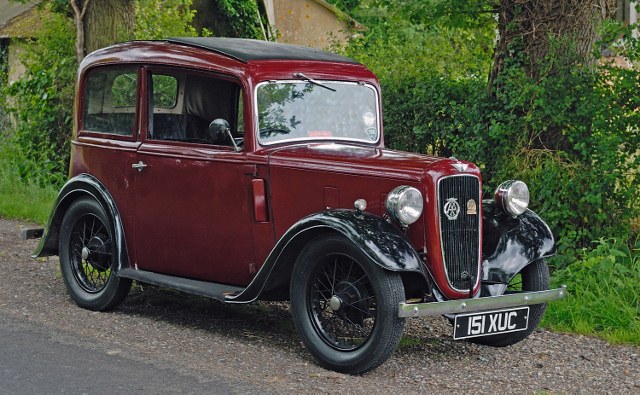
108, 22
526, 29
79, 12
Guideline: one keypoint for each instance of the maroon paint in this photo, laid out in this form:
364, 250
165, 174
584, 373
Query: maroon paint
214, 214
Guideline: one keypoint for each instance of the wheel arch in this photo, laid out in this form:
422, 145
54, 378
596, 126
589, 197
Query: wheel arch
82, 185
380, 241
510, 244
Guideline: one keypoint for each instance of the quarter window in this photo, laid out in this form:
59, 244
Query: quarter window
109, 101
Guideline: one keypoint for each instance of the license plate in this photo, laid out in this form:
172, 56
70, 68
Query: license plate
490, 323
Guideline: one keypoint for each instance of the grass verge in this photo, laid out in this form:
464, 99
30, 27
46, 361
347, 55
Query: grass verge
22, 199
604, 294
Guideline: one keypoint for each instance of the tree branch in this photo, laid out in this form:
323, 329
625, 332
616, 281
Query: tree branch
78, 15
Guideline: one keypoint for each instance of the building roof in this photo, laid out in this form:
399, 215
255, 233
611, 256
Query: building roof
246, 50
17, 19
342, 15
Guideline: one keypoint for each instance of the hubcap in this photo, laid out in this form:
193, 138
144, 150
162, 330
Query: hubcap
335, 302
85, 253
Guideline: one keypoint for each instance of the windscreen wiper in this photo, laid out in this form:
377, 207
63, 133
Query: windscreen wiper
314, 82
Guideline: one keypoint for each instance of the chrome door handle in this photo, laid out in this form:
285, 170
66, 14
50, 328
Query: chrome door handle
139, 166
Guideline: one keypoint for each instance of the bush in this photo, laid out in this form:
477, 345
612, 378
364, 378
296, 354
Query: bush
573, 137
604, 293
41, 103
571, 133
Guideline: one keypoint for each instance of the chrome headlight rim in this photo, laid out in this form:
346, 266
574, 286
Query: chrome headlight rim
513, 197
405, 204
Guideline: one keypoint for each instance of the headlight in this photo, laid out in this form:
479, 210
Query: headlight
404, 204
513, 197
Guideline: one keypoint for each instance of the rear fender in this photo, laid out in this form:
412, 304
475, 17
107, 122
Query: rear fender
380, 241
510, 244
77, 187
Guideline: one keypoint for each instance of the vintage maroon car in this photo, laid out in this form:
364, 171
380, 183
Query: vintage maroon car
244, 170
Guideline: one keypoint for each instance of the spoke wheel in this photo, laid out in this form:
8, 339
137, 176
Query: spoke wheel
533, 277
345, 307
90, 255
87, 254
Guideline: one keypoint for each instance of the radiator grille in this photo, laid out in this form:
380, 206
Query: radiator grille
460, 234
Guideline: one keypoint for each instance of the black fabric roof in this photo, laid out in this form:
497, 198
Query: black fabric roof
246, 50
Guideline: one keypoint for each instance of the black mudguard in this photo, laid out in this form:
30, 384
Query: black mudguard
77, 187
510, 244
383, 243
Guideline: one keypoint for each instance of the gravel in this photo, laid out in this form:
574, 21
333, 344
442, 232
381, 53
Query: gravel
257, 343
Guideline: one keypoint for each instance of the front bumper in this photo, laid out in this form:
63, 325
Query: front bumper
480, 304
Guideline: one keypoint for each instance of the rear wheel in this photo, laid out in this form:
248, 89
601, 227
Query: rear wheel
344, 306
87, 256
533, 277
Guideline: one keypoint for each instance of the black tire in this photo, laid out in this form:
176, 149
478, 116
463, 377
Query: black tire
533, 277
87, 256
345, 307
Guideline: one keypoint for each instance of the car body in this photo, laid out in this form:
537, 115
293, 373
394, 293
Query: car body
244, 170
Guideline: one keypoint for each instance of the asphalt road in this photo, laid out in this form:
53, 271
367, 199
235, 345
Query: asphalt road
36, 361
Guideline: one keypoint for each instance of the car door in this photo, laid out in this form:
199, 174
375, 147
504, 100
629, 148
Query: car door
193, 207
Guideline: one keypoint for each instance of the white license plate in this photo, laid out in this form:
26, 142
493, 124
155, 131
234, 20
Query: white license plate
490, 322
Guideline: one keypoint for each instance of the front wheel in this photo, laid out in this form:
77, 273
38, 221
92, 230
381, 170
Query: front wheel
533, 277
87, 256
345, 307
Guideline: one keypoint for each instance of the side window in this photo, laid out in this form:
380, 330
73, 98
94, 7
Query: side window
165, 91
183, 104
109, 101
240, 118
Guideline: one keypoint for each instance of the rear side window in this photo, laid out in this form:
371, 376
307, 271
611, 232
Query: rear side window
165, 91
109, 101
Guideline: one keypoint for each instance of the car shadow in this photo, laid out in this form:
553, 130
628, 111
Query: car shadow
270, 321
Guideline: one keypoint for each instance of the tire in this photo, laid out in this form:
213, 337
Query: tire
87, 256
345, 307
533, 277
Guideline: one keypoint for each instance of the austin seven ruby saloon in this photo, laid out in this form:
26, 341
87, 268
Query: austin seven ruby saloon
244, 170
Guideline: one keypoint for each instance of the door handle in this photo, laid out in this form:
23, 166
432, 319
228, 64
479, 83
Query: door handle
139, 166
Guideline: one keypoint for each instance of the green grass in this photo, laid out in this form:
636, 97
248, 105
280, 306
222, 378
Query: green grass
604, 294
24, 200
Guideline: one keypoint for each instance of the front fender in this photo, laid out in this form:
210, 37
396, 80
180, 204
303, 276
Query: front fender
380, 241
79, 186
510, 244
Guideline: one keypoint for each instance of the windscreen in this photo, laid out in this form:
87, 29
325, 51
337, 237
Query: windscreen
317, 111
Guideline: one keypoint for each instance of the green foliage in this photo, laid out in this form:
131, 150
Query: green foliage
242, 17
436, 115
604, 293
23, 199
158, 19
571, 133
4, 61
397, 46
345, 5
41, 103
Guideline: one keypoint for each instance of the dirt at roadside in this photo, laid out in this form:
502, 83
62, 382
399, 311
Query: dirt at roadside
258, 343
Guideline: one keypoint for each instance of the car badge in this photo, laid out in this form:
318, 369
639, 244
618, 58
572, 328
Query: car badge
373, 134
452, 209
462, 167
472, 207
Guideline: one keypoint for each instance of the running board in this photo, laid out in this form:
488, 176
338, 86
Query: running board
202, 288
